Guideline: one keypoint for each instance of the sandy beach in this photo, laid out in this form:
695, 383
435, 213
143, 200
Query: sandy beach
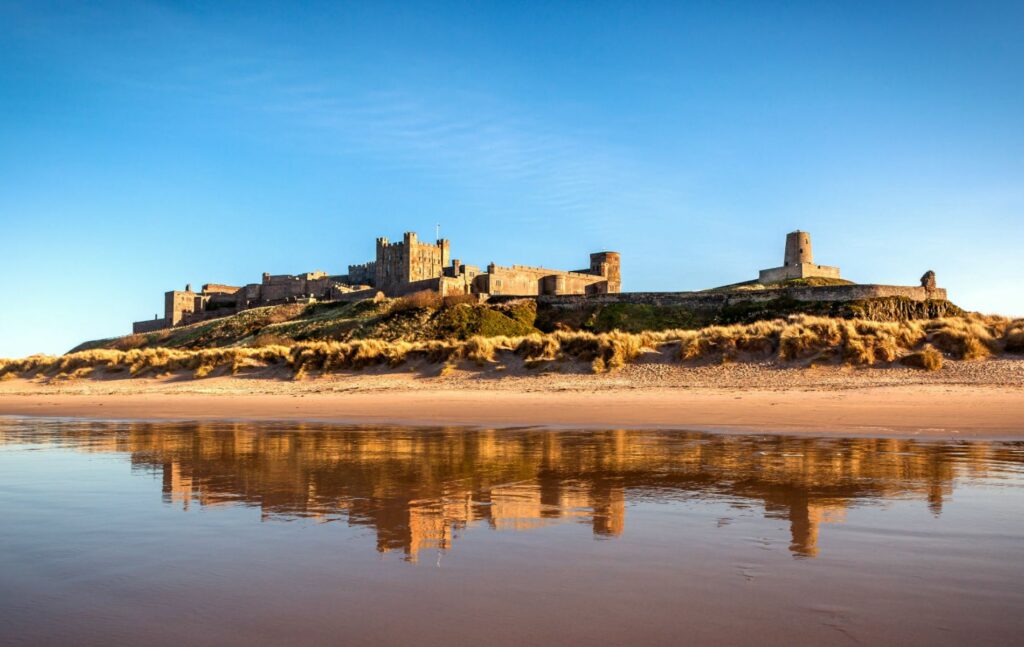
964, 400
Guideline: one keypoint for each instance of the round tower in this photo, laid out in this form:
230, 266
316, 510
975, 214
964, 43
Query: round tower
798, 248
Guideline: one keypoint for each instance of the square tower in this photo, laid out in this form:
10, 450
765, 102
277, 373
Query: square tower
398, 264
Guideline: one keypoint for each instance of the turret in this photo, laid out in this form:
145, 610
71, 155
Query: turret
446, 250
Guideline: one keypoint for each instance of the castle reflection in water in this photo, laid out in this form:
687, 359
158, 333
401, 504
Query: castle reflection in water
417, 488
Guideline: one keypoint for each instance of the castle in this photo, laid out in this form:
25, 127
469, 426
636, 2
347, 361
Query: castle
399, 268
411, 266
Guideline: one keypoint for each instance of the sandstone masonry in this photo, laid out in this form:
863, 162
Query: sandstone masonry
409, 266
798, 262
399, 268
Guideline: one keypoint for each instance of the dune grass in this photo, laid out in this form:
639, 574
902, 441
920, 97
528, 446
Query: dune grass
800, 339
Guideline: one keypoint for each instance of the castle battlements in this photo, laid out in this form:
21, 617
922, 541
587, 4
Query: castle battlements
400, 267
534, 268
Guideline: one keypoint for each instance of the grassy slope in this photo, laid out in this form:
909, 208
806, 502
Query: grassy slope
421, 319
388, 320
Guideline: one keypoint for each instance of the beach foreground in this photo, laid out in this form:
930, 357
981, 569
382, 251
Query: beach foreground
966, 400
294, 532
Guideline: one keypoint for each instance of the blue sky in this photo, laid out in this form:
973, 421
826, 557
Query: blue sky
146, 145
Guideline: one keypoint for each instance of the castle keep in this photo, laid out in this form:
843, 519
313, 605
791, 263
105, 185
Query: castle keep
399, 268
411, 266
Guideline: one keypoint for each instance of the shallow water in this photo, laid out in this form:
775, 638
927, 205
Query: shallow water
119, 533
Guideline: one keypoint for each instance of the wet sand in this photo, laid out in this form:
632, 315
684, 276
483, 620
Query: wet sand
222, 533
833, 402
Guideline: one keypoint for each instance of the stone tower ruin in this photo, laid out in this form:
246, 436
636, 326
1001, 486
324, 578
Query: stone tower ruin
798, 262
798, 248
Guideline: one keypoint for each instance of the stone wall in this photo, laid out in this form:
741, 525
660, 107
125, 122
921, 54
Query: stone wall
249, 294
715, 300
798, 271
362, 274
223, 302
359, 295
524, 280
443, 285
149, 325
284, 288
177, 303
220, 288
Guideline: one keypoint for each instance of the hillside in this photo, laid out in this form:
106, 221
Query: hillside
801, 340
425, 316
416, 318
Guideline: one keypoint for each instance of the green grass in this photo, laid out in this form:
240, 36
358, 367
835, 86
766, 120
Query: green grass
636, 317
464, 321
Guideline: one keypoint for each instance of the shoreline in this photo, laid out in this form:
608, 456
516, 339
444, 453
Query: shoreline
764, 400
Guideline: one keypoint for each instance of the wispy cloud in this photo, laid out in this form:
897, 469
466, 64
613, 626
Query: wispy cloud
483, 146
462, 138
479, 144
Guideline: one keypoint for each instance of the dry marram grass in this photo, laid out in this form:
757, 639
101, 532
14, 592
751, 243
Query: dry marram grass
801, 338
